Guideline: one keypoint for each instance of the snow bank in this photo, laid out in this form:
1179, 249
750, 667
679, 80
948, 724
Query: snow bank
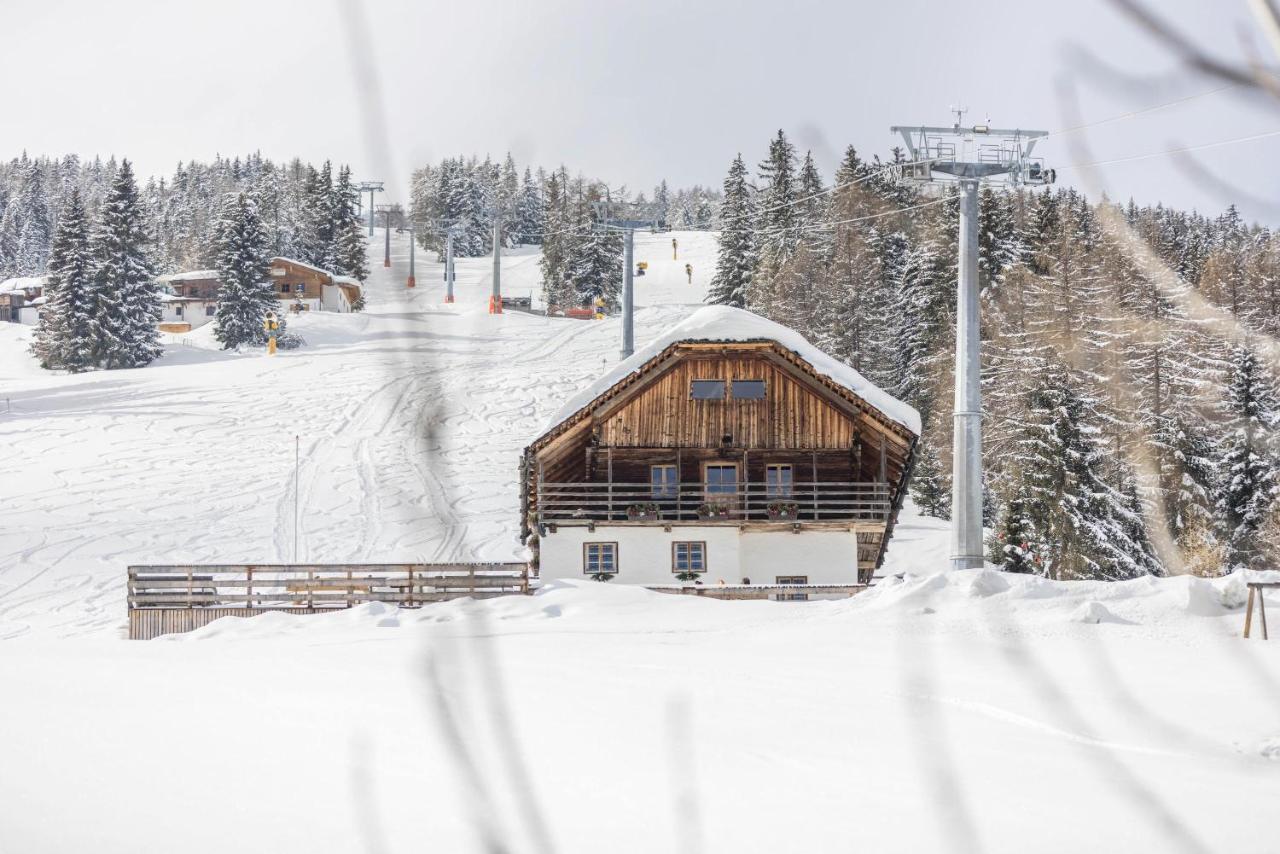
1174, 606
722, 323
1177, 605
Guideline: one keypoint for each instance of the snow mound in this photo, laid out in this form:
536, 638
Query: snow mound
723, 323
1270, 748
1177, 604
1094, 612
987, 582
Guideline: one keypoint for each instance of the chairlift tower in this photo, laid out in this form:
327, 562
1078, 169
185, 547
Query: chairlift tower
967, 156
628, 228
369, 187
388, 211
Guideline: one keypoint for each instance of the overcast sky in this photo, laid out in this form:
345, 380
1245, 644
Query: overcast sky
629, 92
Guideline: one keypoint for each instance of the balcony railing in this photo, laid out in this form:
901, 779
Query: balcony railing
560, 503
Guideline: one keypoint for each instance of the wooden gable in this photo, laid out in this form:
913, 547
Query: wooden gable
794, 414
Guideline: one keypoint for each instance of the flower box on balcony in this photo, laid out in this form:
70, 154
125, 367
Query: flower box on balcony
782, 511
647, 512
713, 510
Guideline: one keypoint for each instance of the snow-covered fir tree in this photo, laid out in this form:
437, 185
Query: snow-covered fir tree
777, 234
1084, 524
555, 244
735, 261
1013, 545
350, 251
65, 335
593, 264
930, 485
245, 293
125, 292
1250, 481
528, 221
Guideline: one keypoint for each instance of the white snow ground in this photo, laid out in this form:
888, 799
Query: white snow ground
970, 712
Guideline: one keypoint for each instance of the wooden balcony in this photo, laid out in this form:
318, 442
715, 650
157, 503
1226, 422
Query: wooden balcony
702, 504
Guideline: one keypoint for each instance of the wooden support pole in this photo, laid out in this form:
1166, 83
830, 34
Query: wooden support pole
813, 483
609, 464
679, 487
1248, 614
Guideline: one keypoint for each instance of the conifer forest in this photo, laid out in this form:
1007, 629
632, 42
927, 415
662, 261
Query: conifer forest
1125, 432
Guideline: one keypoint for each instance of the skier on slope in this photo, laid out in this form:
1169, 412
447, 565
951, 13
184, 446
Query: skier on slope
674, 247
688, 271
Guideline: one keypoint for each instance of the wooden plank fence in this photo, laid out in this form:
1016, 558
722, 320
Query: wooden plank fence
181, 597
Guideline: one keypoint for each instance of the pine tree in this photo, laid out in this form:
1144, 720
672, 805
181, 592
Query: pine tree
777, 234
735, 263
318, 243
1085, 525
555, 244
64, 337
856, 301
1013, 546
245, 294
350, 252
1251, 483
124, 288
529, 217
593, 265
930, 486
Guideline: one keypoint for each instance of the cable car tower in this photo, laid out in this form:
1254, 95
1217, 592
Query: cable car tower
369, 187
967, 156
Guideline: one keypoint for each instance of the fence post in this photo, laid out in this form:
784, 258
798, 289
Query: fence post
409, 601
248, 588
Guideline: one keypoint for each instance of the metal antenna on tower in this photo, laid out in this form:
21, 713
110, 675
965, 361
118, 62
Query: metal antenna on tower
955, 154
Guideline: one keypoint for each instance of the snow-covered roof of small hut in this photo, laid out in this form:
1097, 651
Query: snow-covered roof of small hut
279, 259
722, 323
22, 283
347, 280
189, 276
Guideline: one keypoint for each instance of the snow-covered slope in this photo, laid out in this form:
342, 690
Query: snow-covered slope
410, 419
664, 283
958, 712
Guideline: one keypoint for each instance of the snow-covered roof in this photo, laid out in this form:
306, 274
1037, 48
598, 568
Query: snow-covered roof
722, 323
18, 284
346, 280
278, 259
39, 301
190, 275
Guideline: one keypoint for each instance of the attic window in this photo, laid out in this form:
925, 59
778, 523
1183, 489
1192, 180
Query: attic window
748, 389
706, 390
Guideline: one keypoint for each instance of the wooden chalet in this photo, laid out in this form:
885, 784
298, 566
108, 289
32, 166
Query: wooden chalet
730, 450
311, 287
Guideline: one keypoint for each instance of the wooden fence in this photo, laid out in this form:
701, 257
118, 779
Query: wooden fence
179, 598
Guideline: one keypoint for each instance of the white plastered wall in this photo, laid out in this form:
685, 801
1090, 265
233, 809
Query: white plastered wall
644, 553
